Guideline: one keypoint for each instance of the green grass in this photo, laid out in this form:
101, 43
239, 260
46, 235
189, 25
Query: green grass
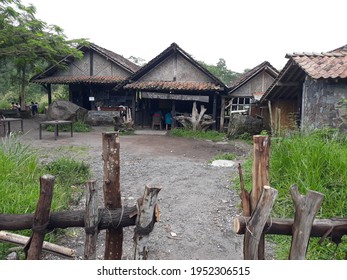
206, 135
77, 127
20, 185
316, 161
224, 156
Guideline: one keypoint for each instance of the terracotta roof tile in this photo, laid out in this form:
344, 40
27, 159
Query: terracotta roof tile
80, 79
166, 85
323, 65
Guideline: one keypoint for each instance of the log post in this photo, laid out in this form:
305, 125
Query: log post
91, 220
33, 248
112, 192
257, 222
306, 208
222, 114
244, 195
147, 216
260, 178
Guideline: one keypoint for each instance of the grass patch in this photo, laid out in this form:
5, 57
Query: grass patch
20, 182
205, 135
315, 161
76, 127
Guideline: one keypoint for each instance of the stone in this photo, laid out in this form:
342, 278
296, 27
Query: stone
66, 110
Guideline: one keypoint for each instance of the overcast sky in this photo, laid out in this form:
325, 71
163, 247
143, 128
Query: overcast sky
245, 33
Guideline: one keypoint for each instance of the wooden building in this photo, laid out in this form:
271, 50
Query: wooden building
309, 92
246, 91
171, 82
90, 79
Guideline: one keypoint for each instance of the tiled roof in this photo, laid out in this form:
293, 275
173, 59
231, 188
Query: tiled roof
116, 58
162, 85
244, 78
80, 79
323, 65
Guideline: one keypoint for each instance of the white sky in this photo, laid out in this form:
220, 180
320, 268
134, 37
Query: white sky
245, 32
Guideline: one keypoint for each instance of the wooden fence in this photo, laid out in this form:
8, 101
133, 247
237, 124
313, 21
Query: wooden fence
256, 221
113, 217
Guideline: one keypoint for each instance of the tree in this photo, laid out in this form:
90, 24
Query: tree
31, 44
222, 72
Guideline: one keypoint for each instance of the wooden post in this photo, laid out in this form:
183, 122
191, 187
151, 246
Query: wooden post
41, 218
91, 220
271, 118
112, 193
147, 207
257, 222
260, 178
222, 113
244, 195
306, 208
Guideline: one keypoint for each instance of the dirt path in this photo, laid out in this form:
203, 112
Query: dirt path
196, 203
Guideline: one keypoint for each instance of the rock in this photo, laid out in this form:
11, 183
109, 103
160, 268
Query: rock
223, 163
66, 110
96, 118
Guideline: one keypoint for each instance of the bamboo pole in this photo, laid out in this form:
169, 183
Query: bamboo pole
47, 246
147, 207
91, 221
112, 193
306, 208
33, 248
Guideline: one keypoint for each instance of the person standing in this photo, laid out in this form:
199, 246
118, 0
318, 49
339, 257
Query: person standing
168, 120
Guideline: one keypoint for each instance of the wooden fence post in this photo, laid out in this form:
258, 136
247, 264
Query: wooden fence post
91, 221
112, 193
260, 178
41, 218
257, 222
306, 208
147, 206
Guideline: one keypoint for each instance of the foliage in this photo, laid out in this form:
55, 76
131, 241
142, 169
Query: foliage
314, 161
221, 71
19, 181
207, 135
29, 44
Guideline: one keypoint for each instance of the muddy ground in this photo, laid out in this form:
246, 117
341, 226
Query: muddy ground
197, 203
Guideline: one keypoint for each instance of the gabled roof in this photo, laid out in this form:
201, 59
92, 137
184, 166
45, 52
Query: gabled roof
325, 65
133, 83
246, 77
47, 78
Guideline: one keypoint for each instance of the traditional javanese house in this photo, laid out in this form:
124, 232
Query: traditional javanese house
172, 82
246, 91
310, 92
90, 79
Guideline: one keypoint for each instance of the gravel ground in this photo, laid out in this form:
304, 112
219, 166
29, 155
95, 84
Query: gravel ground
196, 203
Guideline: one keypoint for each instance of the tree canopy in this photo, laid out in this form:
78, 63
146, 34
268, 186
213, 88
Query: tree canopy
221, 71
30, 44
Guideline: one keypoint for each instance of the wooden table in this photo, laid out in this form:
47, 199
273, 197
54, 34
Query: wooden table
8, 121
56, 124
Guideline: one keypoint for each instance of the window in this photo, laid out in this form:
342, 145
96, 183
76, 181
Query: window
240, 103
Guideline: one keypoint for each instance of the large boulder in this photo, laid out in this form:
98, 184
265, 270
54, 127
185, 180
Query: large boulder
96, 118
66, 110
240, 124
